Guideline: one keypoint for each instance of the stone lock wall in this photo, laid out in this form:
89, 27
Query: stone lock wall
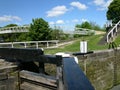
102, 68
8, 76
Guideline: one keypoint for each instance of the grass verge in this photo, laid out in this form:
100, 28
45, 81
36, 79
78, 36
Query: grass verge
75, 47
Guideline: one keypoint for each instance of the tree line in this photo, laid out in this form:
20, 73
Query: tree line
40, 30
113, 12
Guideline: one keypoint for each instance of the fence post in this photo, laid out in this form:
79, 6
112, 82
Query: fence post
25, 45
41, 67
47, 44
12, 45
59, 73
37, 45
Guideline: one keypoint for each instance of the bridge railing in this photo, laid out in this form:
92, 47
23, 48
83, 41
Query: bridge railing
84, 31
69, 76
90, 32
16, 29
112, 33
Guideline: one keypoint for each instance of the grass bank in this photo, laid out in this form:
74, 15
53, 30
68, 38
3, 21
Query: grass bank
75, 47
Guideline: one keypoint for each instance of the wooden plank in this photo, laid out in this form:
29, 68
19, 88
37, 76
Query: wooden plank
60, 85
20, 54
37, 77
73, 76
29, 86
8, 67
3, 76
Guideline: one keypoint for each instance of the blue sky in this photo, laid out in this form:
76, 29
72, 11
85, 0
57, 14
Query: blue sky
64, 13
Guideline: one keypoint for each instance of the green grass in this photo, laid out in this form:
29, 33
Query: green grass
93, 43
95, 69
75, 47
117, 40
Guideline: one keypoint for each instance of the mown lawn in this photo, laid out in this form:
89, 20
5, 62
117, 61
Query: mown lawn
75, 47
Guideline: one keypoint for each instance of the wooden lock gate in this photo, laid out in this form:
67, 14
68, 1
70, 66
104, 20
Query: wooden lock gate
32, 76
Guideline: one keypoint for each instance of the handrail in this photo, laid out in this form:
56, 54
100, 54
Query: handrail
14, 28
32, 42
111, 31
73, 76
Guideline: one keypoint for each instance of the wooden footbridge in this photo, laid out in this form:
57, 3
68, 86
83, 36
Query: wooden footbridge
32, 74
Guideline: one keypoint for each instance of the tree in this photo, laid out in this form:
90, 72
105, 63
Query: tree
58, 34
11, 25
22, 37
113, 12
86, 25
55, 34
39, 30
77, 26
9, 37
95, 26
89, 25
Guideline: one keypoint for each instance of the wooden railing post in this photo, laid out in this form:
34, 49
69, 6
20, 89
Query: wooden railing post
12, 45
25, 45
37, 45
59, 73
41, 67
47, 44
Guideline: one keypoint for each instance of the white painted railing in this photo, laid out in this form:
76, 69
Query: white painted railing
31, 44
112, 32
84, 31
20, 29
15, 29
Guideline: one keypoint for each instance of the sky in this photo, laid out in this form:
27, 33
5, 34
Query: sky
63, 13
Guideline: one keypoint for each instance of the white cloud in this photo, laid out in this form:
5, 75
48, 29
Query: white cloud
83, 20
99, 2
51, 23
56, 22
8, 18
102, 4
67, 22
16, 18
60, 22
108, 3
79, 5
75, 20
57, 11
